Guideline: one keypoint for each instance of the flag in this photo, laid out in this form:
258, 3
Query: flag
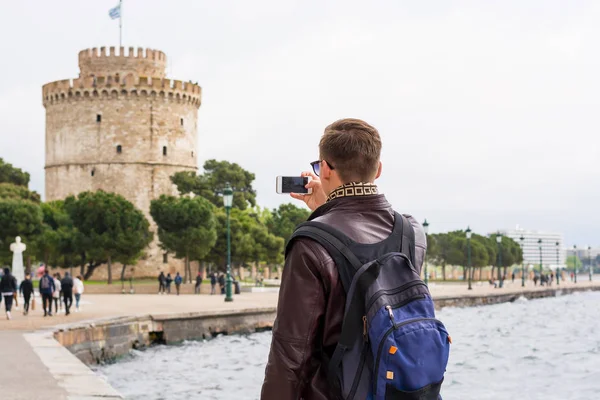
115, 13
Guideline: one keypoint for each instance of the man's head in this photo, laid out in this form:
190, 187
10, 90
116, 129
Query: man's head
28, 276
349, 152
67, 274
6, 271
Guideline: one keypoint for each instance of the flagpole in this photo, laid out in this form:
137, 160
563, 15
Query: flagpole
120, 23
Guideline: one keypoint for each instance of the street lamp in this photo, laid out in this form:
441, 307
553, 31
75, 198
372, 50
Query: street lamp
499, 241
522, 261
541, 262
426, 229
557, 263
575, 261
590, 261
468, 232
227, 202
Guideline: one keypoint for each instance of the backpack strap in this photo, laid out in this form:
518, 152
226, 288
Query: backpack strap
408, 237
328, 238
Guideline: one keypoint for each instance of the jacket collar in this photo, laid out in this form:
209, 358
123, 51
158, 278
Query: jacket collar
352, 204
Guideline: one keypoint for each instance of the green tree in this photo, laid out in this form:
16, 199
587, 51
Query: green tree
285, 218
217, 175
110, 227
572, 261
18, 218
186, 227
56, 244
510, 252
10, 174
12, 191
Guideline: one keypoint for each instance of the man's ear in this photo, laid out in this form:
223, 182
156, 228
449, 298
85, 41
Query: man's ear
325, 171
379, 170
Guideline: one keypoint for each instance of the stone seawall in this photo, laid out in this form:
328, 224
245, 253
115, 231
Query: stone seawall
101, 341
472, 301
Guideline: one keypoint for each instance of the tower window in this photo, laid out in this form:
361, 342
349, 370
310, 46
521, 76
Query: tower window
165, 258
192, 154
119, 149
98, 118
93, 172
181, 121
164, 150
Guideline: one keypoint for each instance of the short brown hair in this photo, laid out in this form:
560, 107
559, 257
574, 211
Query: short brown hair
353, 148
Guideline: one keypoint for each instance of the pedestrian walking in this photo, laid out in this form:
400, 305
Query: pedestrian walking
222, 282
198, 283
178, 280
161, 283
8, 287
78, 290
26, 289
57, 293
213, 283
46, 289
67, 291
168, 281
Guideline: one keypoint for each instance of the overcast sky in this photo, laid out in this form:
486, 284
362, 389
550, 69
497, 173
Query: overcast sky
488, 110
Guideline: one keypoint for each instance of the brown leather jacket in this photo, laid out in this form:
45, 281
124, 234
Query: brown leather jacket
311, 299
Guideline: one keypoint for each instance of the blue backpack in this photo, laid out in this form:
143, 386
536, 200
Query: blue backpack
391, 346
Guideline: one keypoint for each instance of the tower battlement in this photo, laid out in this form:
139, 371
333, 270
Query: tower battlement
142, 62
117, 87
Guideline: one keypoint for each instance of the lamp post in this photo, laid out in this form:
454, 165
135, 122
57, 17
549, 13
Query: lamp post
499, 241
522, 239
557, 263
426, 229
227, 202
575, 262
541, 261
468, 232
590, 261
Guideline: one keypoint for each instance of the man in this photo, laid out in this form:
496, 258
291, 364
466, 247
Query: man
26, 289
222, 282
161, 283
8, 288
67, 290
213, 283
178, 281
311, 298
46, 289
198, 283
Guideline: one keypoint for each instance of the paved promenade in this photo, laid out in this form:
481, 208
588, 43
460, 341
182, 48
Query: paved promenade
34, 362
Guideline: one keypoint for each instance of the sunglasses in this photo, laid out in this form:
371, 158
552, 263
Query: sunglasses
316, 166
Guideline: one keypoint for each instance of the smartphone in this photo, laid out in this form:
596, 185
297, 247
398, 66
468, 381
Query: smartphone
292, 184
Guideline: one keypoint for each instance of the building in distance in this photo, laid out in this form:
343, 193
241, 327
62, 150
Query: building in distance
552, 246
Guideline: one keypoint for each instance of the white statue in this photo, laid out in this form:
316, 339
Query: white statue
17, 264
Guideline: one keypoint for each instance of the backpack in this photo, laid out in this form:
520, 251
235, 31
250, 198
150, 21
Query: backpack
45, 282
391, 347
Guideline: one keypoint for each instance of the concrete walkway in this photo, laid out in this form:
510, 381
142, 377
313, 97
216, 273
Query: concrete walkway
24, 376
34, 363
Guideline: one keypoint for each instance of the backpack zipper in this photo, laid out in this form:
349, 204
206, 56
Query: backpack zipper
381, 292
387, 333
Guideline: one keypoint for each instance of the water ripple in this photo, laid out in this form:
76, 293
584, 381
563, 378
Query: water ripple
538, 349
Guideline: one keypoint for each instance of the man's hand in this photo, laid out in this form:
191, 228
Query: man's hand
317, 198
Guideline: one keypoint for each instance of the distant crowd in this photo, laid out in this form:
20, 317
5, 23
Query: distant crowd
53, 291
165, 281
